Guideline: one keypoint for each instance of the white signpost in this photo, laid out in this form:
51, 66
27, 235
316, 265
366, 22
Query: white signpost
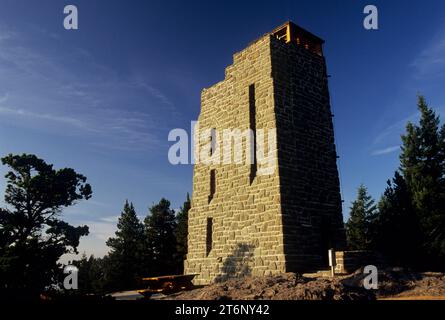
332, 261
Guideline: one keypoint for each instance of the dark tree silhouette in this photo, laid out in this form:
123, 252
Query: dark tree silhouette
358, 227
411, 221
126, 258
32, 235
422, 164
160, 227
398, 235
182, 232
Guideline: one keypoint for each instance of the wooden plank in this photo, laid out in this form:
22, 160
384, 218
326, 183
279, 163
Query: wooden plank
186, 276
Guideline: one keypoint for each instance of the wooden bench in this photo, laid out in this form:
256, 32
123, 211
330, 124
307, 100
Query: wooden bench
167, 284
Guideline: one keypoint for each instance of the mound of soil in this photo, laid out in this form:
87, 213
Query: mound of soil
400, 283
288, 286
404, 283
393, 283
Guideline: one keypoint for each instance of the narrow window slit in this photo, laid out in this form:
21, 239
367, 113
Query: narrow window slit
209, 237
212, 184
252, 119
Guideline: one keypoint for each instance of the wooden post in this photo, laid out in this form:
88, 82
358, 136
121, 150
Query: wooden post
332, 261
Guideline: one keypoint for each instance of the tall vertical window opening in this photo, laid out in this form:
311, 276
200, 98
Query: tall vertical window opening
212, 141
212, 184
252, 119
209, 236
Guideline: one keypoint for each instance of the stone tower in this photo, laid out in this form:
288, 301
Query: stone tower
242, 223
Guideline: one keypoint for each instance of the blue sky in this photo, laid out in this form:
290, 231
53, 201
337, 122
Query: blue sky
103, 98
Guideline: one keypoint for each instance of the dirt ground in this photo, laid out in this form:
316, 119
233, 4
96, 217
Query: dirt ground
403, 285
394, 284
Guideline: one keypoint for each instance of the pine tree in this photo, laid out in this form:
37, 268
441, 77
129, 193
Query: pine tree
84, 266
362, 215
33, 235
398, 234
182, 231
91, 275
423, 168
127, 249
160, 227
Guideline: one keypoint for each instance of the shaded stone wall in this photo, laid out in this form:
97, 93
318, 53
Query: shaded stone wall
310, 188
348, 262
280, 222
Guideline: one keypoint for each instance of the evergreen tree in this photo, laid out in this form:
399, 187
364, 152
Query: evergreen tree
127, 248
91, 275
182, 232
32, 235
362, 215
94, 275
423, 168
398, 234
160, 227
84, 266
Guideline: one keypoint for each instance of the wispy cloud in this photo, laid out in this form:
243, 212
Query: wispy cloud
395, 129
115, 219
427, 71
154, 92
6, 35
431, 61
40, 116
384, 151
110, 219
4, 98
101, 230
74, 90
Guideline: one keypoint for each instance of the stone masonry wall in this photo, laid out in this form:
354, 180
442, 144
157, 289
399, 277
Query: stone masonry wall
285, 221
310, 188
247, 226
348, 262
